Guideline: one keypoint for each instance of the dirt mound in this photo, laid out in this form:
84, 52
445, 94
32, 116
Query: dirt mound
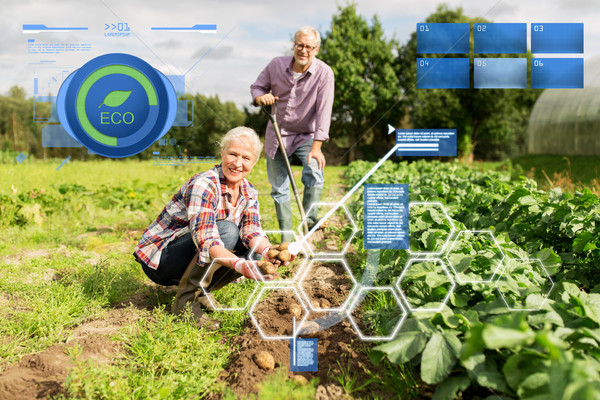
38, 376
42, 375
337, 340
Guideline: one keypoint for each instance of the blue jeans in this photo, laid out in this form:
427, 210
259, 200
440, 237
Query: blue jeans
312, 176
178, 254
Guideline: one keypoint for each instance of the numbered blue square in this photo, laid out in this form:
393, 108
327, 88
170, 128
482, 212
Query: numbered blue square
557, 73
443, 38
500, 73
443, 73
500, 38
557, 38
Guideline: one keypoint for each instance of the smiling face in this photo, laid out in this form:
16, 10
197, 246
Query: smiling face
237, 161
305, 50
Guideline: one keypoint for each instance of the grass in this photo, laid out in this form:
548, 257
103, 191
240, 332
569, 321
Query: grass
278, 387
163, 358
570, 173
68, 237
106, 198
581, 169
389, 378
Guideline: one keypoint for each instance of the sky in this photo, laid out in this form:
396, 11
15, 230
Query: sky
249, 34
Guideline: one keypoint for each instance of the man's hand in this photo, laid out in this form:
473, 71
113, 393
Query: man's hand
249, 269
266, 99
317, 154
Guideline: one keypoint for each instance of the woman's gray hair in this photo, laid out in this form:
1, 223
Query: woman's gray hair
239, 133
308, 30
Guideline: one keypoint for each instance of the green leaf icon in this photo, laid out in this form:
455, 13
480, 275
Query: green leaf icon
116, 98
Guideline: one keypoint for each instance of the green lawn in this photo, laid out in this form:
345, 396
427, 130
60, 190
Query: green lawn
65, 258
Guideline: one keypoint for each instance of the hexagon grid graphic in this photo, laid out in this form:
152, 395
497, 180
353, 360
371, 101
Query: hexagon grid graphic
331, 247
379, 312
279, 302
287, 274
327, 284
521, 278
424, 281
429, 229
475, 256
234, 299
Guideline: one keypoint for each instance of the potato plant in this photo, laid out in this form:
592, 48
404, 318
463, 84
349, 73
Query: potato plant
476, 345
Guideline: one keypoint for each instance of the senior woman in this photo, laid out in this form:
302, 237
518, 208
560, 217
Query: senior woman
214, 215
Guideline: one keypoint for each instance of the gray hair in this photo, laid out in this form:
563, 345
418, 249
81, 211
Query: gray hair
308, 30
243, 132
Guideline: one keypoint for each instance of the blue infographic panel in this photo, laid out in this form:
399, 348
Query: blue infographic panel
386, 216
557, 73
557, 38
500, 73
500, 38
443, 38
304, 355
426, 142
443, 73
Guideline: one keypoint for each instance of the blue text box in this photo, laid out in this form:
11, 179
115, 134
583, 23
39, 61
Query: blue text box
386, 216
426, 142
557, 38
500, 38
443, 73
304, 354
443, 38
557, 73
500, 73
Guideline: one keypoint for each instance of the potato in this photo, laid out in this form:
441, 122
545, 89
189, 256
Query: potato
324, 303
309, 329
266, 268
315, 304
284, 246
264, 360
284, 256
295, 310
300, 380
272, 254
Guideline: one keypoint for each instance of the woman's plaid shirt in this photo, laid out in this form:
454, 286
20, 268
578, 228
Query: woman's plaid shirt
202, 201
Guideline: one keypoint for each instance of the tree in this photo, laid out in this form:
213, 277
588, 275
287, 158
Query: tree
491, 123
367, 93
211, 120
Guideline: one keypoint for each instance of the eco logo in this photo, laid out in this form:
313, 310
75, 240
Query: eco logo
116, 105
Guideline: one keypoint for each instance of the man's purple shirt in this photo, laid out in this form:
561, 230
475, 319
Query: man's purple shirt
304, 105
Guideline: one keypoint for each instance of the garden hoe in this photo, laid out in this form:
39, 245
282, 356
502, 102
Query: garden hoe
273, 117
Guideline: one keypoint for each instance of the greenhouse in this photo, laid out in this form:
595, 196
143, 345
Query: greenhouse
567, 121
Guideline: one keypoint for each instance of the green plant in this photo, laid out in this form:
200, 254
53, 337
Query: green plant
350, 379
475, 344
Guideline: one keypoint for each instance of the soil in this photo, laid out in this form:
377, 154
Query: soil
339, 346
42, 375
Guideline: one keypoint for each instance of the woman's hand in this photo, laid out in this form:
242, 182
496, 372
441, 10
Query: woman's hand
249, 269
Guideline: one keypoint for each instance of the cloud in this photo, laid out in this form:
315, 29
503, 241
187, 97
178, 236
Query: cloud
248, 34
169, 44
217, 53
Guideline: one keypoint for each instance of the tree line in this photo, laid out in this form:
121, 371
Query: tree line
375, 86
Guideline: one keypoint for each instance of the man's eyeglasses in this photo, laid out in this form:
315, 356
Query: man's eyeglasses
300, 47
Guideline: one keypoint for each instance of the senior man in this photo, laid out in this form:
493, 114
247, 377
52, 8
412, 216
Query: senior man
303, 87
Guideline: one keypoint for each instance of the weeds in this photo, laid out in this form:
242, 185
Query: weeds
351, 380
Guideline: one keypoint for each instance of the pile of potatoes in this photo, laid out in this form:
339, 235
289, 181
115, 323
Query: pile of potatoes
280, 253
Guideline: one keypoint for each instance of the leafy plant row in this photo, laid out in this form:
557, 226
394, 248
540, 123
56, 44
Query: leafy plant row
475, 346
